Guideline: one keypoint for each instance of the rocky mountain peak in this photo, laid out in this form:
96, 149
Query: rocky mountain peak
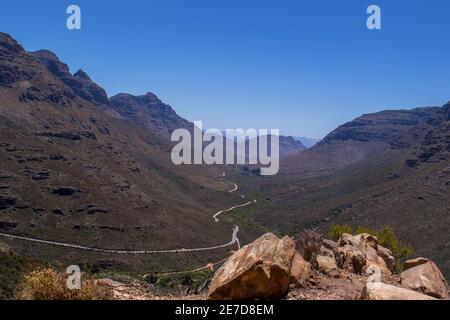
52, 63
81, 74
447, 108
8, 43
80, 82
148, 111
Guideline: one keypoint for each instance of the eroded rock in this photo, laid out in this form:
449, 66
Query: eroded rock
326, 264
381, 291
425, 278
299, 270
260, 270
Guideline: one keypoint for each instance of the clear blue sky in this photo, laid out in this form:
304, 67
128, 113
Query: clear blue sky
302, 66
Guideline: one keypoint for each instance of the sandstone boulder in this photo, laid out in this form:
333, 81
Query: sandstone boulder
260, 270
326, 264
326, 252
299, 270
387, 256
381, 291
351, 249
350, 258
368, 245
330, 245
414, 263
348, 239
425, 278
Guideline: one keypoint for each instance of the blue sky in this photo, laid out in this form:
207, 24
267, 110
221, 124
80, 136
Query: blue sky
302, 66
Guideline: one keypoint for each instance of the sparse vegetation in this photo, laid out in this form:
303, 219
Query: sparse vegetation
336, 231
185, 283
49, 284
308, 243
242, 216
12, 268
386, 238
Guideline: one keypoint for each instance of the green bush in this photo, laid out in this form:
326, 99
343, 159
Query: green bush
336, 231
386, 238
12, 268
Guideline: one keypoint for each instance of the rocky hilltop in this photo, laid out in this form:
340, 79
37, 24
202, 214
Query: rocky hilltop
150, 112
79, 82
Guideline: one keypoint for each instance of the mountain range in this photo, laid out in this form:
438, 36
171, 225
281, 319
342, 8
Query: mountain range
388, 168
80, 167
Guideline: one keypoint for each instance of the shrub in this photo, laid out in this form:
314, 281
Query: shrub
336, 231
184, 283
49, 284
388, 239
12, 268
308, 244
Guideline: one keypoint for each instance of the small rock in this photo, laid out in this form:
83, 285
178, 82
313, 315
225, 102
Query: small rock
7, 201
348, 239
58, 212
299, 270
65, 191
326, 265
326, 252
331, 245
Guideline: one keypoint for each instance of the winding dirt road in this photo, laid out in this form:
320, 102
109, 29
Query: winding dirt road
233, 241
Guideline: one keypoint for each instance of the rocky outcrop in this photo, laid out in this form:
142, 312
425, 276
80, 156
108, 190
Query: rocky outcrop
150, 112
65, 191
424, 276
260, 270
390, 126
81, 84
357, 253
350, 258
381, 291
299, 270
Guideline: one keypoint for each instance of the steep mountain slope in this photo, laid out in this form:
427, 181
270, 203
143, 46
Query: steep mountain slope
366, 137
307, 142
149, 111
80, 82
289, 146
73, 170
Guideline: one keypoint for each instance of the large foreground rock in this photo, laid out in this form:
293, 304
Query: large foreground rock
381, 291
424, 276
260, 270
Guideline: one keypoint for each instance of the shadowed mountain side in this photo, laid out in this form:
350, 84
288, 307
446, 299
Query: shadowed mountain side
71, 172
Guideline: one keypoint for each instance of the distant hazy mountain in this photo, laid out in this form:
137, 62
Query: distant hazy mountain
307, 142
